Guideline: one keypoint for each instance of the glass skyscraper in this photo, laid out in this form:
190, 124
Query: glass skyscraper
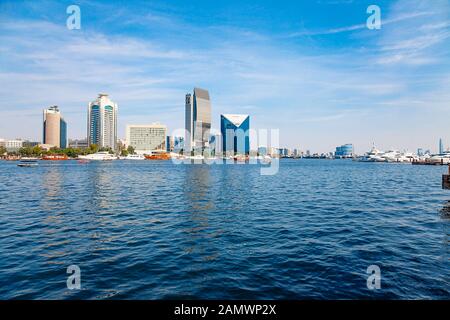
102, 122
63, 134
235, 134
197, 120
55, 128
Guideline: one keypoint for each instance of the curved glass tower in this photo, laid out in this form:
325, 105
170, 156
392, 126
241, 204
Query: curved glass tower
102, 122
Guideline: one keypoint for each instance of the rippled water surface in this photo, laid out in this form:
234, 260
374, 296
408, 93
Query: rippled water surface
154, 230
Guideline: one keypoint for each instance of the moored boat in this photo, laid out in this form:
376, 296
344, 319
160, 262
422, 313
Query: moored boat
158, 156
133, 157
55, 157
100, 156
12, 158
27, 163
29, 158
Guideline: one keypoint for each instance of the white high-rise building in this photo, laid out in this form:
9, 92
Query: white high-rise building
102, 122
147, 138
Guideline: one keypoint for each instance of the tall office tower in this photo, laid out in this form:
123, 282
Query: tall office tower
55, 128
147, 138
102, 122
170, 143
197, 120
441, 146
188, 123
235, 133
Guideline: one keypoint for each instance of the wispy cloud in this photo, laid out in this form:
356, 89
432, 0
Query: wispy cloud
357, 27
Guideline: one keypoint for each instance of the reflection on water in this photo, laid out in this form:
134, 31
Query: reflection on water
101, 181
197, 189
445, 215
151, 230
51, 187
52, 201
199, 204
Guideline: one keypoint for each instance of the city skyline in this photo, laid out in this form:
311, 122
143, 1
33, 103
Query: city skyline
316, 74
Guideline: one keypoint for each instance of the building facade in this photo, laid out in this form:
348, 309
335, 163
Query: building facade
197, 120
30, 144
235, 134
54, 128
215, 143
11, 145
170, 143
344, 151
78, 143
147, 138
102, 122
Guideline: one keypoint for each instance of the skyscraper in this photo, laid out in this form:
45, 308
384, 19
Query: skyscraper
441, 146
55, 128
235, 133
102, 122
197, 120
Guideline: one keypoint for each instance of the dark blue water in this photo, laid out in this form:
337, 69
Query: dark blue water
154, 230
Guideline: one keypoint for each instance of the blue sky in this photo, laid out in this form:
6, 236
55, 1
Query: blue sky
309, 68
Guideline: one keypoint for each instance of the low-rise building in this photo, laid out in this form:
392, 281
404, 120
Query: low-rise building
11, 145
147, 138
78, 143
344, 151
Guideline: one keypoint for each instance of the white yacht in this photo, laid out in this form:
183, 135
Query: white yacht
102, 156
391, 156
407, 157
133, 157
439, 159
373, 155
197, 157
